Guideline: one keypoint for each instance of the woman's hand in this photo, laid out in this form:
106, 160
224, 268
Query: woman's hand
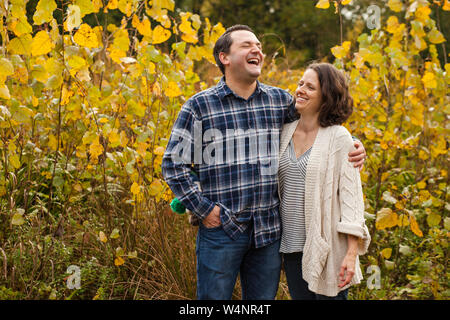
347, 269
348, 264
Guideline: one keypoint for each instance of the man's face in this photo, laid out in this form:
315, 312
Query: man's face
245, 58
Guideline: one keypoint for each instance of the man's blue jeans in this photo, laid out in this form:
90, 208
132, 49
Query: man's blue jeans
220, 259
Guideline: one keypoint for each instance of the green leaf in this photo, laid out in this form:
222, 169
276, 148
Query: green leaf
114, 234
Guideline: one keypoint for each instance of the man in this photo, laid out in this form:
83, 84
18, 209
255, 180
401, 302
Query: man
229, 134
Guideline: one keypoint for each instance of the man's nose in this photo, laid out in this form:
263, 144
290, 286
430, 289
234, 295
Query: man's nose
256, 49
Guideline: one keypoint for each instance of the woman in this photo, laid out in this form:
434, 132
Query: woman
322, 209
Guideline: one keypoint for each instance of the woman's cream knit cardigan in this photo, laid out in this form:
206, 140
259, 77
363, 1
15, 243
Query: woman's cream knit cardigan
334, 207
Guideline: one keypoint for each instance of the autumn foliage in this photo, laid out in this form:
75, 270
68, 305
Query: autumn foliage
86, 111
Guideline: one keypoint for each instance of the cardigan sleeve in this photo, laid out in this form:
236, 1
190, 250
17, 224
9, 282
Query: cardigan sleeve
351, 197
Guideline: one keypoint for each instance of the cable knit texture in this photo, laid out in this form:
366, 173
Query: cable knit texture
334, 207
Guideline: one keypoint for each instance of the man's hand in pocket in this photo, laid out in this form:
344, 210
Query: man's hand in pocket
213, 219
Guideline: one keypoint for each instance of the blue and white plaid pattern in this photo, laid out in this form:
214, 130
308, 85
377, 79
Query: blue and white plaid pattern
232, 144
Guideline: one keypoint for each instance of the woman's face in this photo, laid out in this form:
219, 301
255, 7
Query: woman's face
308, 95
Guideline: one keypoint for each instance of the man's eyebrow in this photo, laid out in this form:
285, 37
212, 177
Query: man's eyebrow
251, 42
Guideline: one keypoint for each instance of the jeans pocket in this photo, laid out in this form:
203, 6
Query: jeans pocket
210, 229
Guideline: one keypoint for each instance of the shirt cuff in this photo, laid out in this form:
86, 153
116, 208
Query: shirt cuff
204, 209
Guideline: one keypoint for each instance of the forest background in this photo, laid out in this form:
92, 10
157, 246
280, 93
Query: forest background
89, 90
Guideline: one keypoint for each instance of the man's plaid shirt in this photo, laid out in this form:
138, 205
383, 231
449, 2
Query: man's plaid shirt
232, 144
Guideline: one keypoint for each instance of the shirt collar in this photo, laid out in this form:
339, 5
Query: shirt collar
223, 90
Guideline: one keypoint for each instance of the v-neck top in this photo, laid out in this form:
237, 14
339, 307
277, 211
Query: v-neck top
292, 172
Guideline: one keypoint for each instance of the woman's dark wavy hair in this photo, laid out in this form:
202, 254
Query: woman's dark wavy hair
337, 104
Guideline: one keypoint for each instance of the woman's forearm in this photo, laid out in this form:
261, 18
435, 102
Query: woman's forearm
352, 243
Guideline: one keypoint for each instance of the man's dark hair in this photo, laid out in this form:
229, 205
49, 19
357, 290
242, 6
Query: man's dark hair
223, 44
337, 104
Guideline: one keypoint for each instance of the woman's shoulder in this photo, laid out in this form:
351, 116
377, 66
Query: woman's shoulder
341, 136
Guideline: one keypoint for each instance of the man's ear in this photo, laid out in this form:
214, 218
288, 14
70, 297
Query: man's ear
224, 58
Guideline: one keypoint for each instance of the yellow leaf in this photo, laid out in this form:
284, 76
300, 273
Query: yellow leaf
4, 92
392, 24
76, 62
435, 36
135, 189
143, 27
96, 148
41, 44
17, 219
424, 195
422, 14
415, 226
114, 138
6, 67
433, 219
341, 51
160, 35
422, 184
86, 37
164, 4
159, 151
395, 5
386, 218
323, 4
97, 4
429, 81
2, 191
14, 160
446, 6
403, 220
66, 95
386, 253
345, 2
156, 187
52, 142
142, 149
20, 26
112, 4
423, 155
123, 139
118, 261
44, 11
172, 90
116, 55
86, 7
102, 237
73, 17
20, 45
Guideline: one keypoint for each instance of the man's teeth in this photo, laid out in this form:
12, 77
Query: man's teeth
253, 61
